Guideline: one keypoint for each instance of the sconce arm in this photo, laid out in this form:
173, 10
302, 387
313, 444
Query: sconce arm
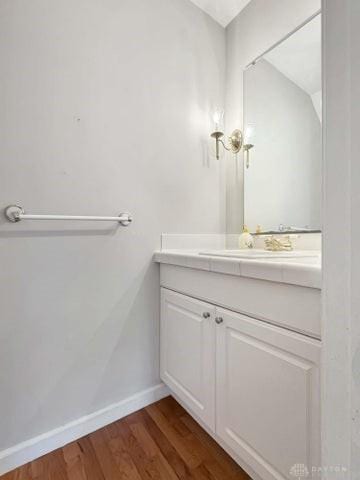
223, 144
235, 142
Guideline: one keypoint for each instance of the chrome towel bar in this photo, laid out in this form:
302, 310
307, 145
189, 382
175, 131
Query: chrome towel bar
15, 213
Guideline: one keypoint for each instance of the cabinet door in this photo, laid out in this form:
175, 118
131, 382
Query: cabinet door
187, 352
268, 396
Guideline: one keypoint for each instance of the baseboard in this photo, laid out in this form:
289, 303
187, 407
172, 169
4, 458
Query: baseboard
29, 450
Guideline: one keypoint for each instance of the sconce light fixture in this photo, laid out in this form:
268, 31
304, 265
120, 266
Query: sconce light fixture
235, 139
248, 143
247, 147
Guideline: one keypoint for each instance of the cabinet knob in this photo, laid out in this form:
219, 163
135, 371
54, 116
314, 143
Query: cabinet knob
206, 315
219, 320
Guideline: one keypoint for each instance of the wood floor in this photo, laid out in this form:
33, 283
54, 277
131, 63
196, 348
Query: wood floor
160, 442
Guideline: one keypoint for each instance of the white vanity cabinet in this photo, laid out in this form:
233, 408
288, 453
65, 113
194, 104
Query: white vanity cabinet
187, 353
267, 394
254, 385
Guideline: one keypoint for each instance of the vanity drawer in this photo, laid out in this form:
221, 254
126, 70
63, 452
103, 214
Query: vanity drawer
290, 306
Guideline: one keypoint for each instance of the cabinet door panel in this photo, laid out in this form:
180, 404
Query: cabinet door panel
267, 395
187, 353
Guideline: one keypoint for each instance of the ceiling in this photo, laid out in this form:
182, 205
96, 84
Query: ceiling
223, 11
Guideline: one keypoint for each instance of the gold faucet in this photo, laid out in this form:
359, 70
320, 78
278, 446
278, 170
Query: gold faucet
278, 245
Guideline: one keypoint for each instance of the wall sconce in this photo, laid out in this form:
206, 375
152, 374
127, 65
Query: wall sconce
248, 143
247, 148
235, 139
235, 142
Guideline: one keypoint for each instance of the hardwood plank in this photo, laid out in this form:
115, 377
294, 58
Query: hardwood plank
38, 472
152, 451
173, 407
232, 469
215, 466
21, 473
173, 416
143, 438
51, 466
74, 463
215, 459
161, 442
123, 460
120, 452
104, 456
113, 457
199, 473
212, 467
8, 476
180, 443
146, 466
169, 452
81, 460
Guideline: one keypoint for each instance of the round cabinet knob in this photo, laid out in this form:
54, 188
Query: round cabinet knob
206, 315
219, 320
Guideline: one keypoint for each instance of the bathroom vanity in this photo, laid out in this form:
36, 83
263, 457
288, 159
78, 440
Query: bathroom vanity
240, 329
240, 350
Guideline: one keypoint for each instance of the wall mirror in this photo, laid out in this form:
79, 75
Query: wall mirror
282, 125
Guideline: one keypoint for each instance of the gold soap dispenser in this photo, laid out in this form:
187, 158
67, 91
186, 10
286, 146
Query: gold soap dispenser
246, 240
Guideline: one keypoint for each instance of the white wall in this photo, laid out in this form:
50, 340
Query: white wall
104, 108
341, 252
259, 26
288, 151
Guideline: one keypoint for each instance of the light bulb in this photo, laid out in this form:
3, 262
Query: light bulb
218, 117
249, 134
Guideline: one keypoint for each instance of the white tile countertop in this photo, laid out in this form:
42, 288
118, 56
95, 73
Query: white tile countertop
303, 271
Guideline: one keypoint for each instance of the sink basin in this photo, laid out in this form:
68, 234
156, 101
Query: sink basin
263, 254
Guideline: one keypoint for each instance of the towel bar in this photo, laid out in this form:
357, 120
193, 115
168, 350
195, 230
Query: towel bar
15, 213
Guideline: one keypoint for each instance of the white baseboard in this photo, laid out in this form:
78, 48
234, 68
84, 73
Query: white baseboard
29, 450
